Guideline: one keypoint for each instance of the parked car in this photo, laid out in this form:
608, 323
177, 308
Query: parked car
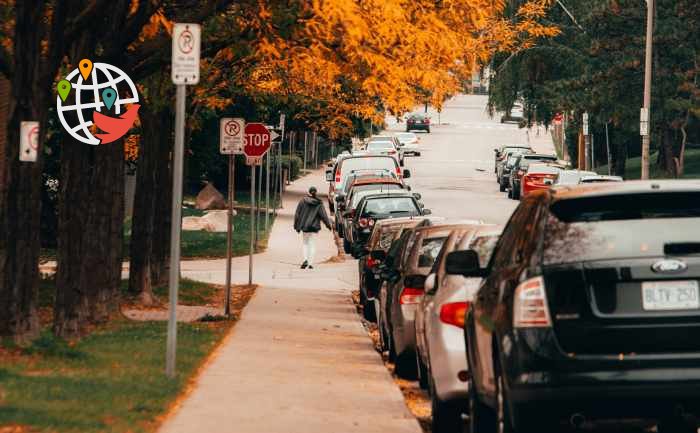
402, 290
439, 327
538, 177
383, 234
504, 169
600, 178
500, 153
352, 205
418, 121
376, 207
372, 185
588, 310
515, 114
571, 177
520, 168
352, 165
409, 143
386, 147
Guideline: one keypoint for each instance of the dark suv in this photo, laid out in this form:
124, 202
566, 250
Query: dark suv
589, 309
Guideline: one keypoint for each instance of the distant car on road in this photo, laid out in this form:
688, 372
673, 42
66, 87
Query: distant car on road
503, 168
418, 121
500, 153
515, 114
538, 177
600, 178
409, 143
589, 310
386, 147
347, 202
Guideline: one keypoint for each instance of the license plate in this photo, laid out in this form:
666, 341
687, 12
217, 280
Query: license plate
670, 295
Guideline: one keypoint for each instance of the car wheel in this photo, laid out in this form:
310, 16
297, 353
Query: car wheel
347, 246
482, 418
401, 163
368, 311
501, 186
510, 193
339, 230
405, 365
383, 339
447, 415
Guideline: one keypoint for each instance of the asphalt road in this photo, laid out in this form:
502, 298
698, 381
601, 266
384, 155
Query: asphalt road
455, 170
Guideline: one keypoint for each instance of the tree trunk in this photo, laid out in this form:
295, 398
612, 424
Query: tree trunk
619, 157
20, 186
91, 217
149, 255
666, 157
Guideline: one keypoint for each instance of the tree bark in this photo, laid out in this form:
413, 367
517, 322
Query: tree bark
666, 157
149, 249
91, 214
20, 188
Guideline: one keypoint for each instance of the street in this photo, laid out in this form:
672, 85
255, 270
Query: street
300, 359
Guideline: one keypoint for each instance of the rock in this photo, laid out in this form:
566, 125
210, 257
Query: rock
192, 223
212, 221
210, 198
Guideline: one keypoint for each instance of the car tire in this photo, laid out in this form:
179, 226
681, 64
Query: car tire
428, 130
482, 419
447, 415
339, 230
401, 163
405, 365
368, 311
502, 186
423, 373
383, 338
347, 246
510, 193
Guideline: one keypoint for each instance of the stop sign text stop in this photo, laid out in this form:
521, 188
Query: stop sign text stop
257, 139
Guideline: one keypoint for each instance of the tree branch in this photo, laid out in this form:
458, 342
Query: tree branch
85, 18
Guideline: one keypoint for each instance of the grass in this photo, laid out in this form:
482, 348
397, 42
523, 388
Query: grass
633, 167
203, 244
110, 381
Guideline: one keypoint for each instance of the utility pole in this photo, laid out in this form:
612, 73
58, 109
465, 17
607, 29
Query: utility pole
645, 116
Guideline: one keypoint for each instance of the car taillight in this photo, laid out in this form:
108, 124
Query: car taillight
371, 263
398, 172
530, 308
411, 295
365, 222
337, 176
454, 313
392, 152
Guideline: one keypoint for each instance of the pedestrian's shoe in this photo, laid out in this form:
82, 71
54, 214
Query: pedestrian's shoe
305, 264
311, 267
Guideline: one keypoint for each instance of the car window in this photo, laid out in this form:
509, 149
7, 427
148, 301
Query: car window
389, 205
513, 243
362, 191
484, 246
429, 251
606, 228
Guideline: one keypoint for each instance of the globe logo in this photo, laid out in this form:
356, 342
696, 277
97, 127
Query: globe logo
90, 95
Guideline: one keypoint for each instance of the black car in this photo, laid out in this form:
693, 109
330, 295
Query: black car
520, 168
589, 310
418, 121
500, 153
376, 207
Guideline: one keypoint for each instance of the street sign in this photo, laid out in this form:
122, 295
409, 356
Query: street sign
257, 142
282, 117
585, 123
253, 160
273, 135
644, 114
185, 53
231, 135
643, 128
28, 141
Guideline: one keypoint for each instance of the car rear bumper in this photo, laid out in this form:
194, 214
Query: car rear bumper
404, 328
448, 358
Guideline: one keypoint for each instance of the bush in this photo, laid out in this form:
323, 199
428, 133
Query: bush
296, 165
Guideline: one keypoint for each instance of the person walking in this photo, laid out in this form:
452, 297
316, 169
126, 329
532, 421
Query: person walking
307, 220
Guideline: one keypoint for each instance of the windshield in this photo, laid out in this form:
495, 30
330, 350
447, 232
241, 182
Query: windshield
608, 227
390, 205
429, 251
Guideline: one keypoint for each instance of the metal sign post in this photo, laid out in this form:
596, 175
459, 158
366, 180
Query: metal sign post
185, 71
231, 138
252, 225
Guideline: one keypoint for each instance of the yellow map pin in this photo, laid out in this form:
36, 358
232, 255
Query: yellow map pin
85, 67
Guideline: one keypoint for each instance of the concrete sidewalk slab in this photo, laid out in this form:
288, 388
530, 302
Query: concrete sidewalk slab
299, 360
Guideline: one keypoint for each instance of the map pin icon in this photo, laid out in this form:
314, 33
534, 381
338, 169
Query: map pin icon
108, 96
85, 67
63, 88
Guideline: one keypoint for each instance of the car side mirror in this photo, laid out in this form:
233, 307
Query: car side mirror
430, 283
415, 281
427, 212
406, 174
378, 255
329, 175
417, 196
465, 263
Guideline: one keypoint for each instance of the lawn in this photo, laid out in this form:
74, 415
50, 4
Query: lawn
633, 166
111, 380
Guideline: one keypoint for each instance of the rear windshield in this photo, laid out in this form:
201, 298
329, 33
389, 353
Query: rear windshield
605, 228
429, 251
349, 165
380, 145
389, 206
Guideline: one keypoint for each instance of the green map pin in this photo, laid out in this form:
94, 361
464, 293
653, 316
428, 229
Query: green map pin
63, 89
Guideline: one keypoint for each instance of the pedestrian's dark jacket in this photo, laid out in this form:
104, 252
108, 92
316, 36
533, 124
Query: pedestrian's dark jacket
310, 212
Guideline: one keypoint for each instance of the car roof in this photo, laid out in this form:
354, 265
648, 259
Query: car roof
516, 146
602, 189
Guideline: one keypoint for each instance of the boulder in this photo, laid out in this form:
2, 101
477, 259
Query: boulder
212, 221
210, 198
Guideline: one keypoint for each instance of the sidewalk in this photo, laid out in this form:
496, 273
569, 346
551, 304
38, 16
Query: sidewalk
299, 360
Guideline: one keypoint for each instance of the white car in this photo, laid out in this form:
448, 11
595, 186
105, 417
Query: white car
409, 143
389, 148
600, 178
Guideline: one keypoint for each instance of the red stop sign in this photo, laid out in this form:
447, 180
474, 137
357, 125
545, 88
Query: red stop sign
257, 139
